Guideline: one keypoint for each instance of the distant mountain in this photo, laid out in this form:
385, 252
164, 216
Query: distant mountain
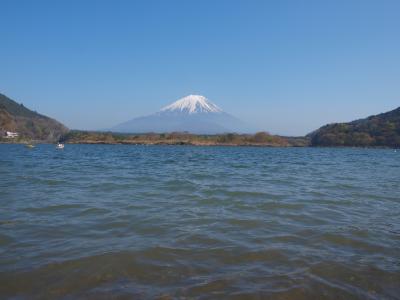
380, 130
194, 114
27, 123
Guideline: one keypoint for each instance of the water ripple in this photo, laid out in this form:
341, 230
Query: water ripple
101, 221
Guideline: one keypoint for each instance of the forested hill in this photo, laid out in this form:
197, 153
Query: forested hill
28, 124
381, 130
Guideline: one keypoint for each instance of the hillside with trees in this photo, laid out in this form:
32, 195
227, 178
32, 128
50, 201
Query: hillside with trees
381, 130
29, 124
183, 138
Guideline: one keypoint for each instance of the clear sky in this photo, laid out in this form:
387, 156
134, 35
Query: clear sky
287, 67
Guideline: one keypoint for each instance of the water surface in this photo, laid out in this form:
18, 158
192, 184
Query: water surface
148, 222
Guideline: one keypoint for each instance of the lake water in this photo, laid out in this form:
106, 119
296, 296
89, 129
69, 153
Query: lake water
166, 222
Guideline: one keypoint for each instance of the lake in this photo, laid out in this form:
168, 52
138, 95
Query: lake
183, 222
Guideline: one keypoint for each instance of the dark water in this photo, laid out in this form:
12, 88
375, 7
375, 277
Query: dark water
138, 222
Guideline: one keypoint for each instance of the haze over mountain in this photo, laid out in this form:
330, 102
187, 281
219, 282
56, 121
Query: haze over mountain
193, 113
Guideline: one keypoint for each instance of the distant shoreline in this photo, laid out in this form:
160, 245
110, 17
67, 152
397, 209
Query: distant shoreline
198, 145
186, 144
156, 144
260, 139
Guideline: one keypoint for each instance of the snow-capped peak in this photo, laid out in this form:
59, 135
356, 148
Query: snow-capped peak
192, 104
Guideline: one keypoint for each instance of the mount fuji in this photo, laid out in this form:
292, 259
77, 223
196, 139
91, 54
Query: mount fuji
193, 113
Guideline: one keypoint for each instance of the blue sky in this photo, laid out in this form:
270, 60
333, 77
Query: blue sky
287, 67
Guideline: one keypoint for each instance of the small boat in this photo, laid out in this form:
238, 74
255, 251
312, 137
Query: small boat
60, 146
30, 146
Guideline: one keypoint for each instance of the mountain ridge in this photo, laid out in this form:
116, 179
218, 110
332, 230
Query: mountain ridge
381, 130
194, 113
27, 123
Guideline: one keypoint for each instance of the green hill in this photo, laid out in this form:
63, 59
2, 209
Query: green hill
29, 124
381, 130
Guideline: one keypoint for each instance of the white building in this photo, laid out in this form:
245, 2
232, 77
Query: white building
10, 134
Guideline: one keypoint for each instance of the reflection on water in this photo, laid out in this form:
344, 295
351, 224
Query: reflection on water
99, 222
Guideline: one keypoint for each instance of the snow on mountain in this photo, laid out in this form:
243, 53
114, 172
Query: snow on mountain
192, 104
193, 113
